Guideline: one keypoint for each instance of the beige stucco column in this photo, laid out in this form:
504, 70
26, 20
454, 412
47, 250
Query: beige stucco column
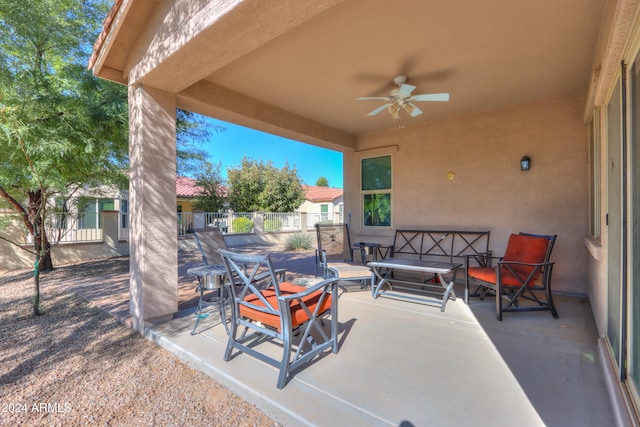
153, 234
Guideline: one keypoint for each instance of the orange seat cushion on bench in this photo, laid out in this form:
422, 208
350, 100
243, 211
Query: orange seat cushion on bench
298, 315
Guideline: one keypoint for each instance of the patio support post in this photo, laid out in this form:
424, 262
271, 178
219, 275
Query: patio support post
153, 237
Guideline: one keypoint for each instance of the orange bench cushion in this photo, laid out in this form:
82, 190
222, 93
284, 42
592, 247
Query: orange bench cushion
298, 315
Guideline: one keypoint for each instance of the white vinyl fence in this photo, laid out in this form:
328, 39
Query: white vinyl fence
83, 227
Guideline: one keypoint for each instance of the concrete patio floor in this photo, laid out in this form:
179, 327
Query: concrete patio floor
407, 364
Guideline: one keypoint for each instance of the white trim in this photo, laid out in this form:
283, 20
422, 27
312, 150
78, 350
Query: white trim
619, 402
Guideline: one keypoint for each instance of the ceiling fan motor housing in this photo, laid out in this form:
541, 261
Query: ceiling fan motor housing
400, 80
400, 100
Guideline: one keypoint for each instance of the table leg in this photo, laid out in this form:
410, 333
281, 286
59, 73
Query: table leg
449, 291
221, 300
201, 304
375, 288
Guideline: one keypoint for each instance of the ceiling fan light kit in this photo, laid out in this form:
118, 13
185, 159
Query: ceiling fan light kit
400, 102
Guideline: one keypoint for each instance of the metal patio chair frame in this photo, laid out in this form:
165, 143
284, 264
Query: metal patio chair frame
287, 314
514, 278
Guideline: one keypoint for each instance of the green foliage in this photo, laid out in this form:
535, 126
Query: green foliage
191, 131
258, 186
242, 225
66, 126
322, 182
299, 241
377, 209
61, 129
212, 196
272, 224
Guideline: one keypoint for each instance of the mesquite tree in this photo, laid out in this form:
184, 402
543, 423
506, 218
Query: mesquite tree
61, 128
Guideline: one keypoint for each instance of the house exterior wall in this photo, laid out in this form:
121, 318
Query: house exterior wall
489, 191
187, 205
314, 208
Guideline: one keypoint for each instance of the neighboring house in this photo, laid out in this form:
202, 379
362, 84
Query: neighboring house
89, 203
554, 81
323, 204
186, 192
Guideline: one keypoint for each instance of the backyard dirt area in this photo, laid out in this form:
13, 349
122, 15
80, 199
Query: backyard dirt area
75, 365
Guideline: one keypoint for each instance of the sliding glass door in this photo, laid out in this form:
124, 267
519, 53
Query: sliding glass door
614, 220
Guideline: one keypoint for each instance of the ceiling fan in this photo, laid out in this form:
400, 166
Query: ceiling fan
400, 100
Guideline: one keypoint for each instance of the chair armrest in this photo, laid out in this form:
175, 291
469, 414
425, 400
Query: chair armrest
308, 291
543, 268
526, 264
484, 259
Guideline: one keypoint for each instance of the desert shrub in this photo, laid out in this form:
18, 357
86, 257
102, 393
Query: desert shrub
242, 225
299, 241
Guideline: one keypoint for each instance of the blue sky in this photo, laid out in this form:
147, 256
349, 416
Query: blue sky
230, 146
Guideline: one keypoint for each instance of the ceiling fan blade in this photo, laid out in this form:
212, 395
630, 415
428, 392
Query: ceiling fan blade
379, 109
370, 98
414, 110
405, 89
431, 97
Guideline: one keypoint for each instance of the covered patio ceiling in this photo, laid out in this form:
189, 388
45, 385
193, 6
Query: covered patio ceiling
267, 65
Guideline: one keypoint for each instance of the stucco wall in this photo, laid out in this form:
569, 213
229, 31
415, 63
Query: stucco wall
489, 192
13, 258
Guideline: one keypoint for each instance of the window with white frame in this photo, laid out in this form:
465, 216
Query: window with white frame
376, 190
324, 212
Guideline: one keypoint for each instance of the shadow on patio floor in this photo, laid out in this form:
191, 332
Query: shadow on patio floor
401, 362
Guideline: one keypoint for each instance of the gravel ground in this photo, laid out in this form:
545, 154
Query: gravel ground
77, 366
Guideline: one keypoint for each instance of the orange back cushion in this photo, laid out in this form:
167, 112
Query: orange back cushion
526, 249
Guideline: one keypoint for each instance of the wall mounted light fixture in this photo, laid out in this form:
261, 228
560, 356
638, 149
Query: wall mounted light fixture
525, 163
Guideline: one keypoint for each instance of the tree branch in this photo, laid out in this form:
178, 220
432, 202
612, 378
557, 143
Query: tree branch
18, 245
17, 207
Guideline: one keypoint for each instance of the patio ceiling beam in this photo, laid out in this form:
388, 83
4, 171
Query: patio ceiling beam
212, 100
182, 53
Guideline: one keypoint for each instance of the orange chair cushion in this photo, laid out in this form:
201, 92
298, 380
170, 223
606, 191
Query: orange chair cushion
488, 274
520, 248
298, 315
526, 249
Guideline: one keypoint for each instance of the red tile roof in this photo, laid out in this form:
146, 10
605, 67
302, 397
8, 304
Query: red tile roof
186, 187
106, 27
316, 194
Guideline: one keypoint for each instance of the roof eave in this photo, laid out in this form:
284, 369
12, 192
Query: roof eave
111, 26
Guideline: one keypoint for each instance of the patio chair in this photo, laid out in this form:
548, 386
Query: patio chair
210, 241
334, 255
524, 273
212, 275
286, 314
